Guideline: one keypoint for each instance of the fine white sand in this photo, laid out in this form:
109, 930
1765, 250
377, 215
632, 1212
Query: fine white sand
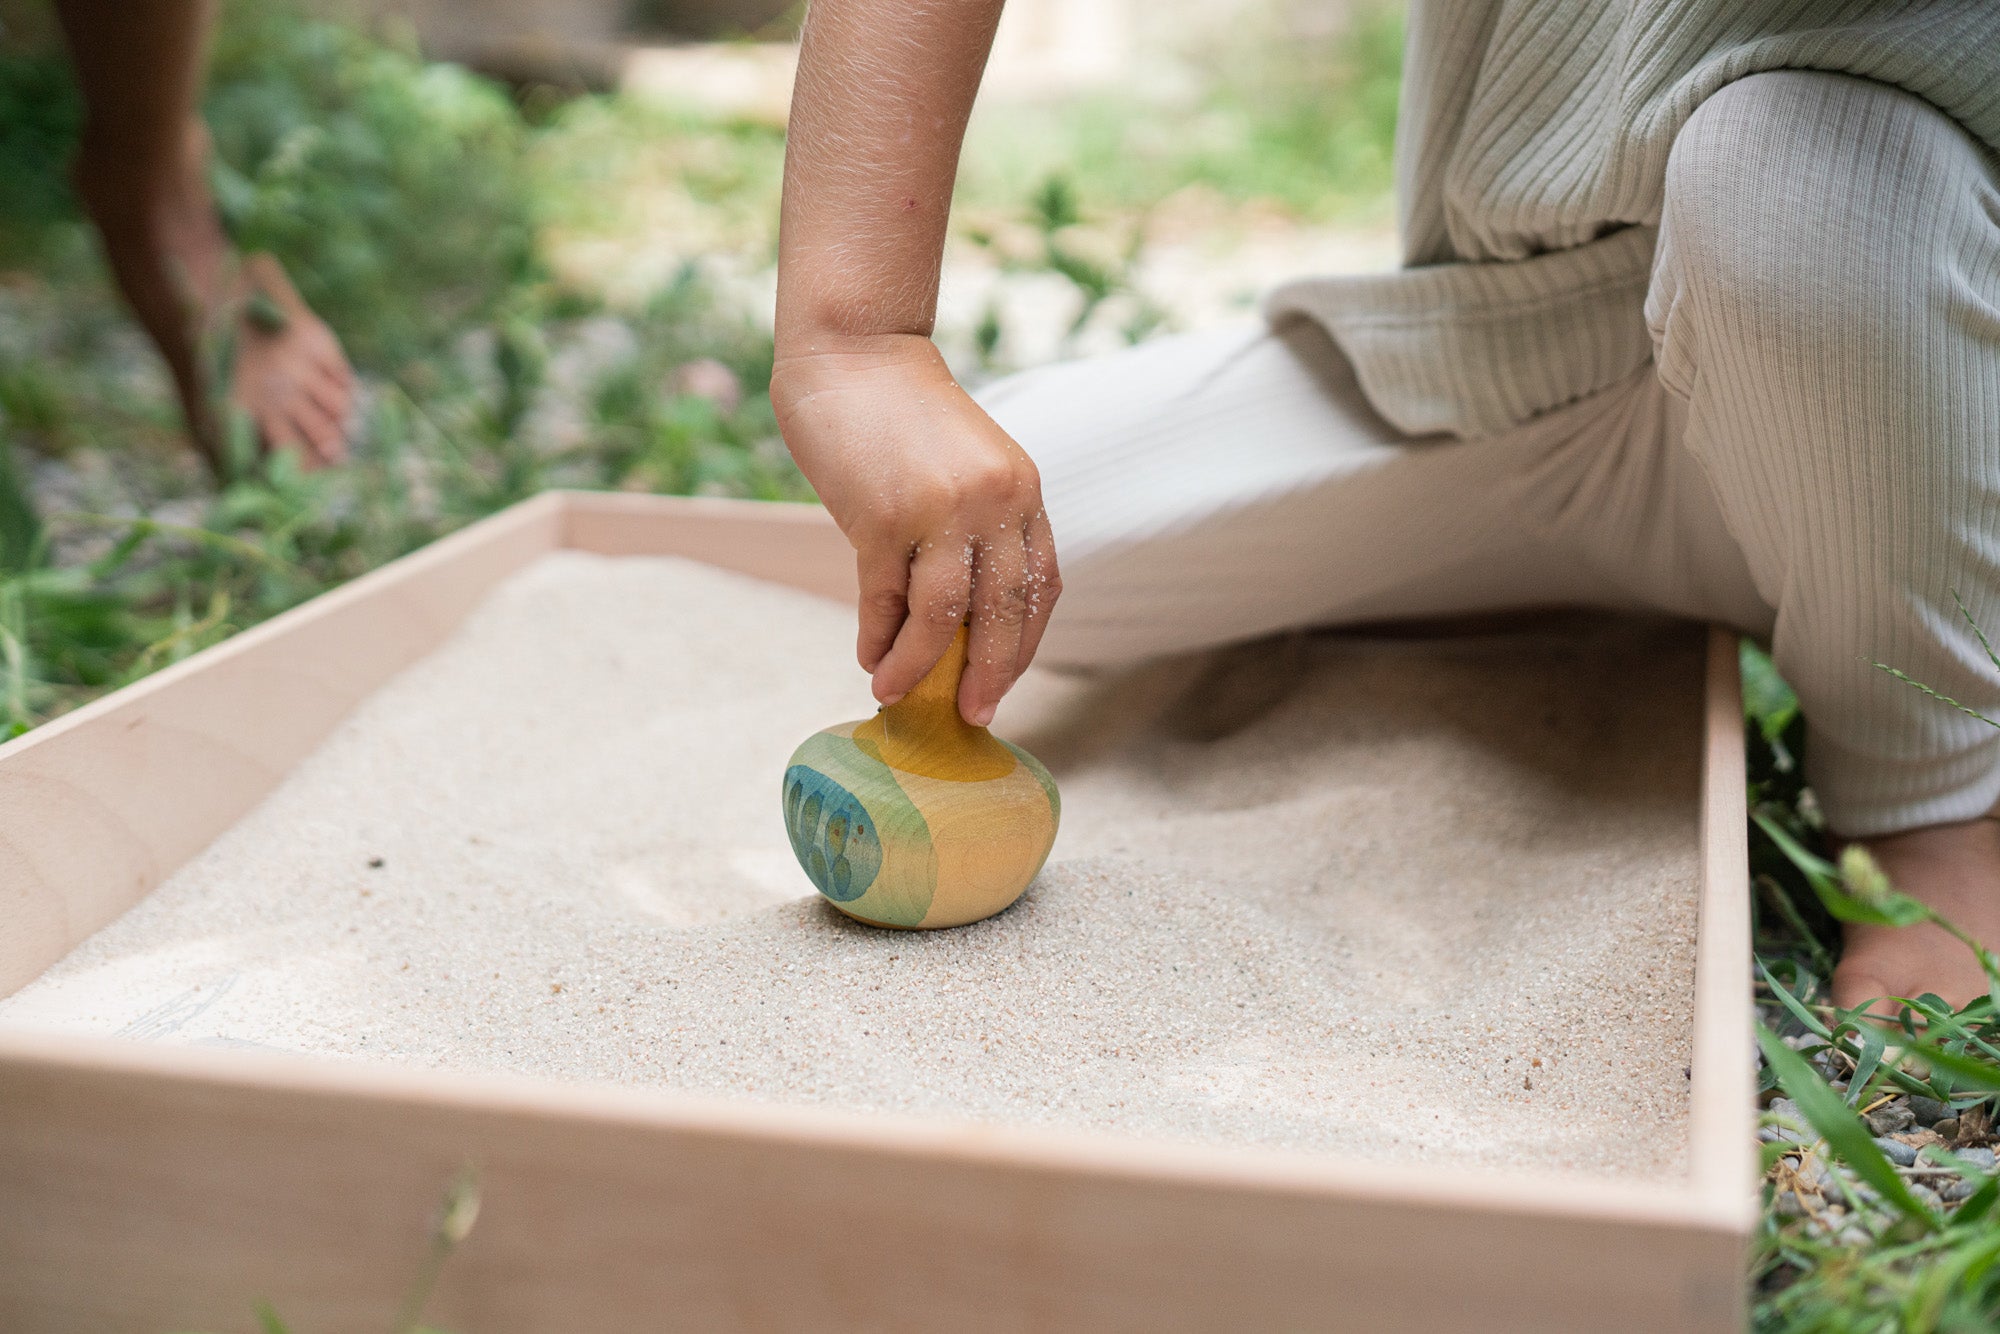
1416, 900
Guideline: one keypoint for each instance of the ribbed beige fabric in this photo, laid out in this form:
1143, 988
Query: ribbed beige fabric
1807, 445
1531, 160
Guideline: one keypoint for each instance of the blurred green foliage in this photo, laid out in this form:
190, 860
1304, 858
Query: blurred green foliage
1291, 105
1893, 1258
393, 187
418, 206
40, 118
404, 197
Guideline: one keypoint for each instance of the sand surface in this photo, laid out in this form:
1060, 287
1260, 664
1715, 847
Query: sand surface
1414, 900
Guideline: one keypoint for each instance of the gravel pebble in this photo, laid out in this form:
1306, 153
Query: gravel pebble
1927, 1111
1897, 1152
1888, 1120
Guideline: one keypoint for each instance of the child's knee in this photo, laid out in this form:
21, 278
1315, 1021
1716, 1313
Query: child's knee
1810, 219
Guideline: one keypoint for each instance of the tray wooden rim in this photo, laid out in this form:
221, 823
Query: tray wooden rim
79, 829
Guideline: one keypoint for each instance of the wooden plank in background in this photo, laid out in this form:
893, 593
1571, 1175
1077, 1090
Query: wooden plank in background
795, 545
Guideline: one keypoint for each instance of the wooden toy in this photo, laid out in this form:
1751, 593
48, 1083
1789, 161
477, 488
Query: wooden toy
916, 818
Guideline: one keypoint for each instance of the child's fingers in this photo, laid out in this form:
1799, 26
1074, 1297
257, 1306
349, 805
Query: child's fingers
999, 606
1044, 587
323, 434
335, 398
940, 590
884, 574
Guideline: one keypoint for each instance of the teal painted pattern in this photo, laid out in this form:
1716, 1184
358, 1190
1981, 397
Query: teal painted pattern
864, 816
831, 834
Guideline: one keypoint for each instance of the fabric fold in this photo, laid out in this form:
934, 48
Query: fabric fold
1474, 349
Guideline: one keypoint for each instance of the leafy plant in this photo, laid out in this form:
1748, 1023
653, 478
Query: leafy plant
1889, 1245
1285, 106
393, 188
403, 196
1050, 243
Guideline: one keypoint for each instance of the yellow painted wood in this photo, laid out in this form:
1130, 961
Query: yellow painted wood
991, 840
924, 733
916, 818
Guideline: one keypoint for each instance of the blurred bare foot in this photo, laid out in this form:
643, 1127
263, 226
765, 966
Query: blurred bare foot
1952, 868
217, 318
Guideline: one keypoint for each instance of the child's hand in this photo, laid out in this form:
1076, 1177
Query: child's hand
944, 511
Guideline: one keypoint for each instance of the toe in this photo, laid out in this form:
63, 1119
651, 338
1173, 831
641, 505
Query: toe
333, 397
1857, 982
281, 435
323, 353
334, 362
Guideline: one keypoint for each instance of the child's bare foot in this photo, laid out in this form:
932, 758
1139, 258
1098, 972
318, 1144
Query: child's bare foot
1952, 868
214, 315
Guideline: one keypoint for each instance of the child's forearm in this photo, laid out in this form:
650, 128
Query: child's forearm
878, 115
944, 510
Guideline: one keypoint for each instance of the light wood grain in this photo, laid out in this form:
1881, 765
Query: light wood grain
796, 545
1722, 1103
161, 1188
156, 1189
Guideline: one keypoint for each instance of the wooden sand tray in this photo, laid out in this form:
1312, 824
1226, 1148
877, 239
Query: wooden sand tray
173, 1187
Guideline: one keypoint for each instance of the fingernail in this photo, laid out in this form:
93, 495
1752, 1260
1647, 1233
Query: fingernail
887, 700
982, 715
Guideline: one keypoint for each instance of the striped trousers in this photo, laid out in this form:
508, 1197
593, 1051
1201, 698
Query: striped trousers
1813, 455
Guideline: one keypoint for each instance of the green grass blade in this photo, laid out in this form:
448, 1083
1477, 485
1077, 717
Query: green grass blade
1794, 1004
1884, 908
1821, 960
1840, 1127
1866, 1062
1978, 1204
1978, 633
1937, 695
225, 543
1966, 1071
1953, 1272
1943, 1026
1814, 866
20, 526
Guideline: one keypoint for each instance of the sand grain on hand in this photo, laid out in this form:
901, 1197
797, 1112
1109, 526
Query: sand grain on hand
1405, 900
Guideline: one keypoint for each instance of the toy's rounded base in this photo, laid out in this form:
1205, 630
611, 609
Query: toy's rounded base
897, 926
867, 921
